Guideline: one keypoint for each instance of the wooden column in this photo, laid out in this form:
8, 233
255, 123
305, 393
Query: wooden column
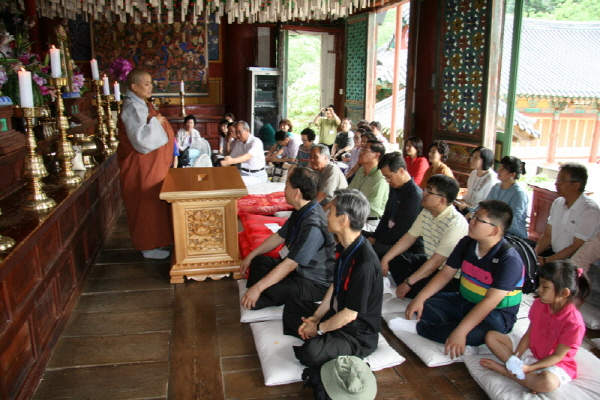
553, 137
396, 68
595, 140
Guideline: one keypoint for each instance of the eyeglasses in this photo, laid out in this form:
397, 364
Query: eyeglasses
475, 218
428, 191
563, 180
365, 150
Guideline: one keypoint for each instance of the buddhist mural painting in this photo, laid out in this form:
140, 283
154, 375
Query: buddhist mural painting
171, 53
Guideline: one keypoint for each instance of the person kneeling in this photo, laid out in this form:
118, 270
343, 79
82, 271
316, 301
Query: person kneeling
491, 280
305, 269
348, 320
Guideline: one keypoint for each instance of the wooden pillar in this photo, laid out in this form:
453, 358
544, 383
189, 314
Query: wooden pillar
396, 69
34, 32
595, 140
553, 137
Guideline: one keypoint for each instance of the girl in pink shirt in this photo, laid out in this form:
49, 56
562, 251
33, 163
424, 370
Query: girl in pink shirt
545, 356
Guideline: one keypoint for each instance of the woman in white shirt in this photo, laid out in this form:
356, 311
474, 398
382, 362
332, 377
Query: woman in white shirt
480, 181
189, 138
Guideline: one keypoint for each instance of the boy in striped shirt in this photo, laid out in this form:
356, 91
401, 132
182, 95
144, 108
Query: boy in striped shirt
491, 279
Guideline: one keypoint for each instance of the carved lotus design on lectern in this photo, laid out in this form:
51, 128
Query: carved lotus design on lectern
205, 230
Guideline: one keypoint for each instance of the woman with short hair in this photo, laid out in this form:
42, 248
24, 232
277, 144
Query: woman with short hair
480, 181
438, 154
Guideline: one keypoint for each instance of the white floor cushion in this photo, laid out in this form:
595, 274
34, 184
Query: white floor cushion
256, 187
432, 353
591, 316
265, 314
585, 387
279, 364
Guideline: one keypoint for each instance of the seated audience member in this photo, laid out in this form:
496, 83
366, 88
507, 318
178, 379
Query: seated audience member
588, 254
438, 154
416, 164
328, 122
224, 137
308, 137
348, 320
145, 154
231, 138
364, 138
369, 180
229, 117
343, 141
289, 147
189, 138
574, 217
441, 226
305, 269
402, 207
266, 132
247, 152
351, 158
363, 123
276, 150
376, 128
489, 294
330, 177
545, 355
480, 181
510, 192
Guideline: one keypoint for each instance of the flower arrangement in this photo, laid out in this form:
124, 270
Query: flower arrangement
119, 69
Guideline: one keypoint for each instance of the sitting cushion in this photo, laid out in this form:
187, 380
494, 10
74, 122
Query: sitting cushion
244, 244
391, 303
432, 353
585, 386
279, 364
257, 232
591, 316
264, 314
263, 204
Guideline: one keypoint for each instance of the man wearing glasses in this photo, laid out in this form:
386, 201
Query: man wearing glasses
574, 217
441, 227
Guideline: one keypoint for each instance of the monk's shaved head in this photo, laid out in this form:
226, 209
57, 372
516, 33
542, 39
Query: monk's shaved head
136, 76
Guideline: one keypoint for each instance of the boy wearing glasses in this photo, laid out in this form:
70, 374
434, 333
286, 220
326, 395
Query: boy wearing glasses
441, 227
491, 279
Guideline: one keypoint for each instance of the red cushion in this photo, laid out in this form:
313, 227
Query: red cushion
263, 204
257, 232
244, 244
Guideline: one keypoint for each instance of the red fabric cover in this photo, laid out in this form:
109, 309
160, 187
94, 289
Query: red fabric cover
244, 244
263, 204
257, 232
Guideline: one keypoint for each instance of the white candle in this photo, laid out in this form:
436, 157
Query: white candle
117, 91
25, 90
181, 87
55, 62
105, 85
95, 73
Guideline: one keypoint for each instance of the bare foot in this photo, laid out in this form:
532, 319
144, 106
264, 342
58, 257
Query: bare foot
494, 366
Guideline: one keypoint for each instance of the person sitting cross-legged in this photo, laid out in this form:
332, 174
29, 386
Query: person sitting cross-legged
441, 227
305, 269
348, 320
491, 280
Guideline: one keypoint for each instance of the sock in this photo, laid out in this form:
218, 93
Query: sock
155, 253
402, 324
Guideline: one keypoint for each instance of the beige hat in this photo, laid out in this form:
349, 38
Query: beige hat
348, 378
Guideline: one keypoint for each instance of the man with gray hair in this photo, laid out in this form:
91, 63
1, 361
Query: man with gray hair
247, 152
348, 320
331, 177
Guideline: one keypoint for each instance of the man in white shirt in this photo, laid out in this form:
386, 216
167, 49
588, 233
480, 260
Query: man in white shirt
574, 217
247, 152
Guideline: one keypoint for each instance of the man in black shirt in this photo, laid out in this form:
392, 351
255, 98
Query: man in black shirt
305, 269
348, 320
402, 208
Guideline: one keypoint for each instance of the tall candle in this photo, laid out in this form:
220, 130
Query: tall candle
25, 89
117, 91
181, 87
105, 85
95, 73
55, 62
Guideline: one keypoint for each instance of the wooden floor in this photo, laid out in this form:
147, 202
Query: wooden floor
133, 335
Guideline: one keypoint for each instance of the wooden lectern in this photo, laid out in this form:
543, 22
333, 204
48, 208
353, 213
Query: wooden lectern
204, 221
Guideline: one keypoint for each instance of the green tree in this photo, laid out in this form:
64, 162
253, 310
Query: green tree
583, 10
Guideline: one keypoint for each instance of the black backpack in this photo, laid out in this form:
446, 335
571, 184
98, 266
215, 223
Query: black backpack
527, 255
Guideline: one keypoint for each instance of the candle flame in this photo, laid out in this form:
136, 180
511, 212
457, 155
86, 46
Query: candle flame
53, 47
22, 69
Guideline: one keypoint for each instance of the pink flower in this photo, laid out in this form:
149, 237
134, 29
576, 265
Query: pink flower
78, 82
39, 80
44, 90
120, 68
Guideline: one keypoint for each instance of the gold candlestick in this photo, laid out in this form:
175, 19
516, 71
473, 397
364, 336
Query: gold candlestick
112, 128
33, 167
119, 104
6, 243
182, 97
101, 130
64, 148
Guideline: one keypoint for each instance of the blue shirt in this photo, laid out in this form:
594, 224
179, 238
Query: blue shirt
518, 201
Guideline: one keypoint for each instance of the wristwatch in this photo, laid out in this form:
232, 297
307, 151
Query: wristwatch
319, 331
407, 283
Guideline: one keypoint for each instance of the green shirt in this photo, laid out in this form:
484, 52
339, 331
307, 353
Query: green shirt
327, 131
374, 187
